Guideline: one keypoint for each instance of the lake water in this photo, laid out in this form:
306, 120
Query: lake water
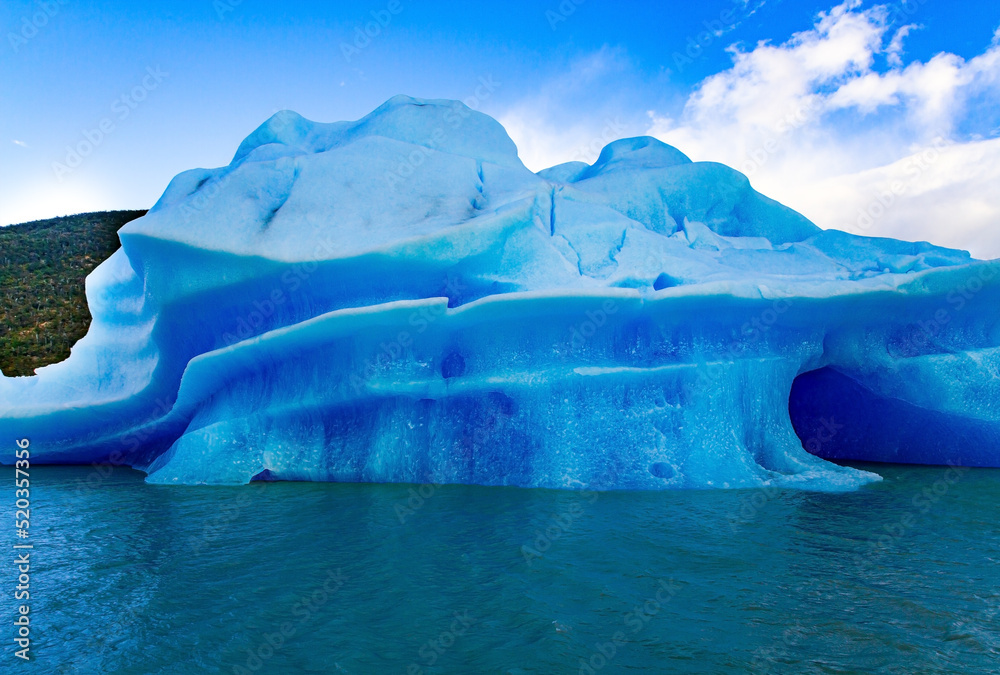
899, 577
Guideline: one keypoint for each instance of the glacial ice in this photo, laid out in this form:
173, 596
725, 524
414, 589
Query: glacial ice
398, 299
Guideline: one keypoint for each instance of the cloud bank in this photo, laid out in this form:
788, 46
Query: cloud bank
833, 124
837, 124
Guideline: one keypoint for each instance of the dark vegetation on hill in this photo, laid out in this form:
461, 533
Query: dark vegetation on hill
43, 264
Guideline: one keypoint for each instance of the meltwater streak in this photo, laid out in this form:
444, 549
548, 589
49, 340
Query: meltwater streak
134, 578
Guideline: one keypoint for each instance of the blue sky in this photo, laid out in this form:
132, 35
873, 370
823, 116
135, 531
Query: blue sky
877, 118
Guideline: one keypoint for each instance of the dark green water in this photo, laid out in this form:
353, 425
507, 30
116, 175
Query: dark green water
899, 577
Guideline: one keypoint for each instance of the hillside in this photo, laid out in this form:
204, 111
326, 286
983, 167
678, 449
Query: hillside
43, 264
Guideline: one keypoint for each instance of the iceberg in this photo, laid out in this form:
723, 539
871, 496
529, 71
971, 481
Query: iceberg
398, 299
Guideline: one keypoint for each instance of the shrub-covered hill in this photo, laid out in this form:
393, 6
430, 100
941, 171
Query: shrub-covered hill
43, 264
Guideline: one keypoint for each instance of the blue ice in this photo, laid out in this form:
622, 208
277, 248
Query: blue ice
398, 299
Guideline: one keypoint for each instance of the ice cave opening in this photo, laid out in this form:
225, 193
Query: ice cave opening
839, 418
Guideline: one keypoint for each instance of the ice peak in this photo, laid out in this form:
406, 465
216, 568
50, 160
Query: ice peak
641, 152
438, 124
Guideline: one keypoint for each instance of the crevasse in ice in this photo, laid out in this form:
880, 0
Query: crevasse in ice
400, 299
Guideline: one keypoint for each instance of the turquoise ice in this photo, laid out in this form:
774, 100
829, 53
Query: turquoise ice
398, 299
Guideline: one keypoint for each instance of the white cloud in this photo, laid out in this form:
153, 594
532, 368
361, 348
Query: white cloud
816, 126
548, 127
894, 52
944, 193
21, 143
